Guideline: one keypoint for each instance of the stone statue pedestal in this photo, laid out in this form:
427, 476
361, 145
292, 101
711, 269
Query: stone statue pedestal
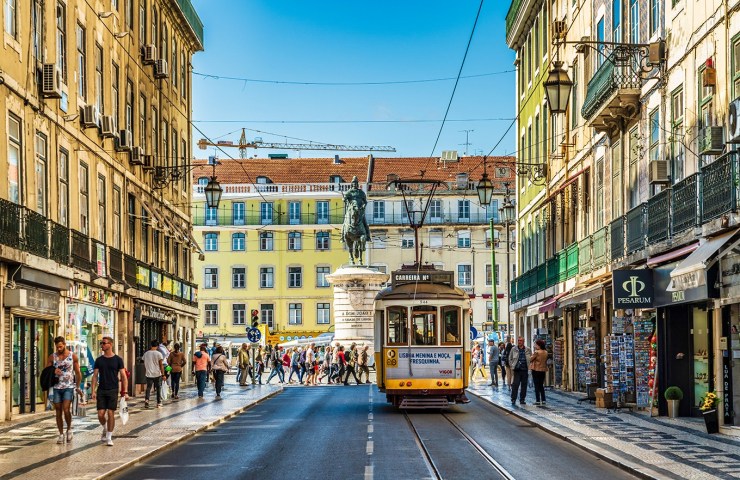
355, 288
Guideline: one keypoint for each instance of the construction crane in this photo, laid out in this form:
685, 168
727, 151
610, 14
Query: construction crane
243, 144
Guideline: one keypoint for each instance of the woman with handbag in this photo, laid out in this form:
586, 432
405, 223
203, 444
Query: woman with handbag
220, 366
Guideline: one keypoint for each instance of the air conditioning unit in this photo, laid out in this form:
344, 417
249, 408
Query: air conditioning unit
124, 142
107, 126
733, 122
711, 141
148, 54
136, 156
659, 171
147, 162
160, 69
90, 116
51, 81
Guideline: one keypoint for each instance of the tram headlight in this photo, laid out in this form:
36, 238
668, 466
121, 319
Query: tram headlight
447, 384
439, 384
408, 384
402, 384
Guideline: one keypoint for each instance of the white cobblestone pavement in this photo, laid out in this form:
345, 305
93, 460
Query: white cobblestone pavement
28, 447
649, 447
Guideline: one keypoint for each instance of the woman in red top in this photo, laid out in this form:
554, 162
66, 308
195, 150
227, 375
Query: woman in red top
340, 363
286, 360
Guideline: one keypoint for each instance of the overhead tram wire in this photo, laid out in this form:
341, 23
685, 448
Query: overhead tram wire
457, 80
391, 82
433, 120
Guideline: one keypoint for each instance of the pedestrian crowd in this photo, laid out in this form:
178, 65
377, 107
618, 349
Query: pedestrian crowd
305, 365
515, 362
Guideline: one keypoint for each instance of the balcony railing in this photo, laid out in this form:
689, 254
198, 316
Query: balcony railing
636, 228
572, 260
616, 231
552, 271
584, 256
115, 264
35, 233
225, 217
10, 223
608, 79
512, 14
247, 188
59, 246
186, 7
81, 251
558, 268
685, 203
129, 270
659, 217
719, 187
600, 247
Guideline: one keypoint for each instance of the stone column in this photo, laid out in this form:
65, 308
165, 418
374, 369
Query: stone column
355, 288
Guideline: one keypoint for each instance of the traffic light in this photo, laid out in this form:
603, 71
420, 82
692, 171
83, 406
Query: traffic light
255, 317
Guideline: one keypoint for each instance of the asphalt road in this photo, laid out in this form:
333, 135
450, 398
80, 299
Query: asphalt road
351, 433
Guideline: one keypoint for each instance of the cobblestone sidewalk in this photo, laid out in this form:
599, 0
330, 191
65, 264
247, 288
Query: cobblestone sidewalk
656, 447
28, 447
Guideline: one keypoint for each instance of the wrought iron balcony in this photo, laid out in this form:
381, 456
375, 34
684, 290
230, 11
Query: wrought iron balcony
59, 247
613, 92
636, 228
685, 204
659, 217
81, 251
35, 233
571, 260
186, 7
584, 256
552, 271
512, 14
616, 231
719, 184
10, 223
115, 264
600, 247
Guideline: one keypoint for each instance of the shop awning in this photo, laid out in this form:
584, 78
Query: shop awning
667, 257
551, 303
581, 296
533, 309
691, 271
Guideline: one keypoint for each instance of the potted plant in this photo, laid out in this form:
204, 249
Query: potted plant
673, 396
708, 407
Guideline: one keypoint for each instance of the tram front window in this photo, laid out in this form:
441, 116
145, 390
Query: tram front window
451, 325
397, 326
423, 326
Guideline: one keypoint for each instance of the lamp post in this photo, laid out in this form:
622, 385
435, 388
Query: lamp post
213, 191
508, 216
485, 193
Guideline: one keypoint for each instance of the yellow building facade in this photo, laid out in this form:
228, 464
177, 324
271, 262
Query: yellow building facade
269, 246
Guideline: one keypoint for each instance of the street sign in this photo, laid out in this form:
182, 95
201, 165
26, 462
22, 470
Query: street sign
253, 334
473, 333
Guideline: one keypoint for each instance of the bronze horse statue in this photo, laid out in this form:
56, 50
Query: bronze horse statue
354, 231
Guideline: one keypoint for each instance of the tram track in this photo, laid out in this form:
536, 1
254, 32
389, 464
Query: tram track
433, 468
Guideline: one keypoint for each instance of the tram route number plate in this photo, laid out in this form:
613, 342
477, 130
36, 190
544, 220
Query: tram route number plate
391, 358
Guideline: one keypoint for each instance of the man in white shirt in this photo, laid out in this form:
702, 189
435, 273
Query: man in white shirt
154, 371
310, 357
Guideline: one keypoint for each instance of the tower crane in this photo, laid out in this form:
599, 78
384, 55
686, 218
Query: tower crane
243, 144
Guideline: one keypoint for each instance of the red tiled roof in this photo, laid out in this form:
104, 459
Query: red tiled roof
318, 170
435, 169
283, 170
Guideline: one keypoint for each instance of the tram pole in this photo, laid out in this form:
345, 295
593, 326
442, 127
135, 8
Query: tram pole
494, 292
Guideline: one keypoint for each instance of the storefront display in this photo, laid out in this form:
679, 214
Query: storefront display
557, 358
586, 367
643, 332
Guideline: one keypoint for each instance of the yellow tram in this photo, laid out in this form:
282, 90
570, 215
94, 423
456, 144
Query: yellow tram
422, 341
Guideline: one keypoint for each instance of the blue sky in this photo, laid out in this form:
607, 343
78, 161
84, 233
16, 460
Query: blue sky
354, 41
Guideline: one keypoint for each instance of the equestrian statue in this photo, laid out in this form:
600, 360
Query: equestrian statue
355, 230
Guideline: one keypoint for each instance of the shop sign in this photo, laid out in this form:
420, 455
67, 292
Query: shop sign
186, 291
176, 288
727, 386
632, 288
154, 312
665, 296
100, 266
167, 284
46, 302
142, 276
86, 293
156, 281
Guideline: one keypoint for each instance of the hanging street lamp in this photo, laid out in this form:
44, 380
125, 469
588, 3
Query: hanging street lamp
213, 193
557, 88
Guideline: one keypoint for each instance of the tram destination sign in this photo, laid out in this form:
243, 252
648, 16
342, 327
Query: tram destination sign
403, 277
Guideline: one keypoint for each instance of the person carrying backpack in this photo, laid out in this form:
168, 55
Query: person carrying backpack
351, 358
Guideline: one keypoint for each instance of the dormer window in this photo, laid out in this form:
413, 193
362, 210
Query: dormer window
263, 180
335, 179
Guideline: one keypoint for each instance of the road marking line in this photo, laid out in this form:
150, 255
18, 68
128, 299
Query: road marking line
370, 417
369, 429
369, 447
369, 472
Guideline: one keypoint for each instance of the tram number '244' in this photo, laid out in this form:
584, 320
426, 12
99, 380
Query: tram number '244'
391, 358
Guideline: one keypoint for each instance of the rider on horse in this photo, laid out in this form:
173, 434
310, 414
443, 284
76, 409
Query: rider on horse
355, 229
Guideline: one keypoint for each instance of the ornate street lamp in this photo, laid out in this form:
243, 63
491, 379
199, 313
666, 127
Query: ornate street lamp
557, 88
485, 187
213, 193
